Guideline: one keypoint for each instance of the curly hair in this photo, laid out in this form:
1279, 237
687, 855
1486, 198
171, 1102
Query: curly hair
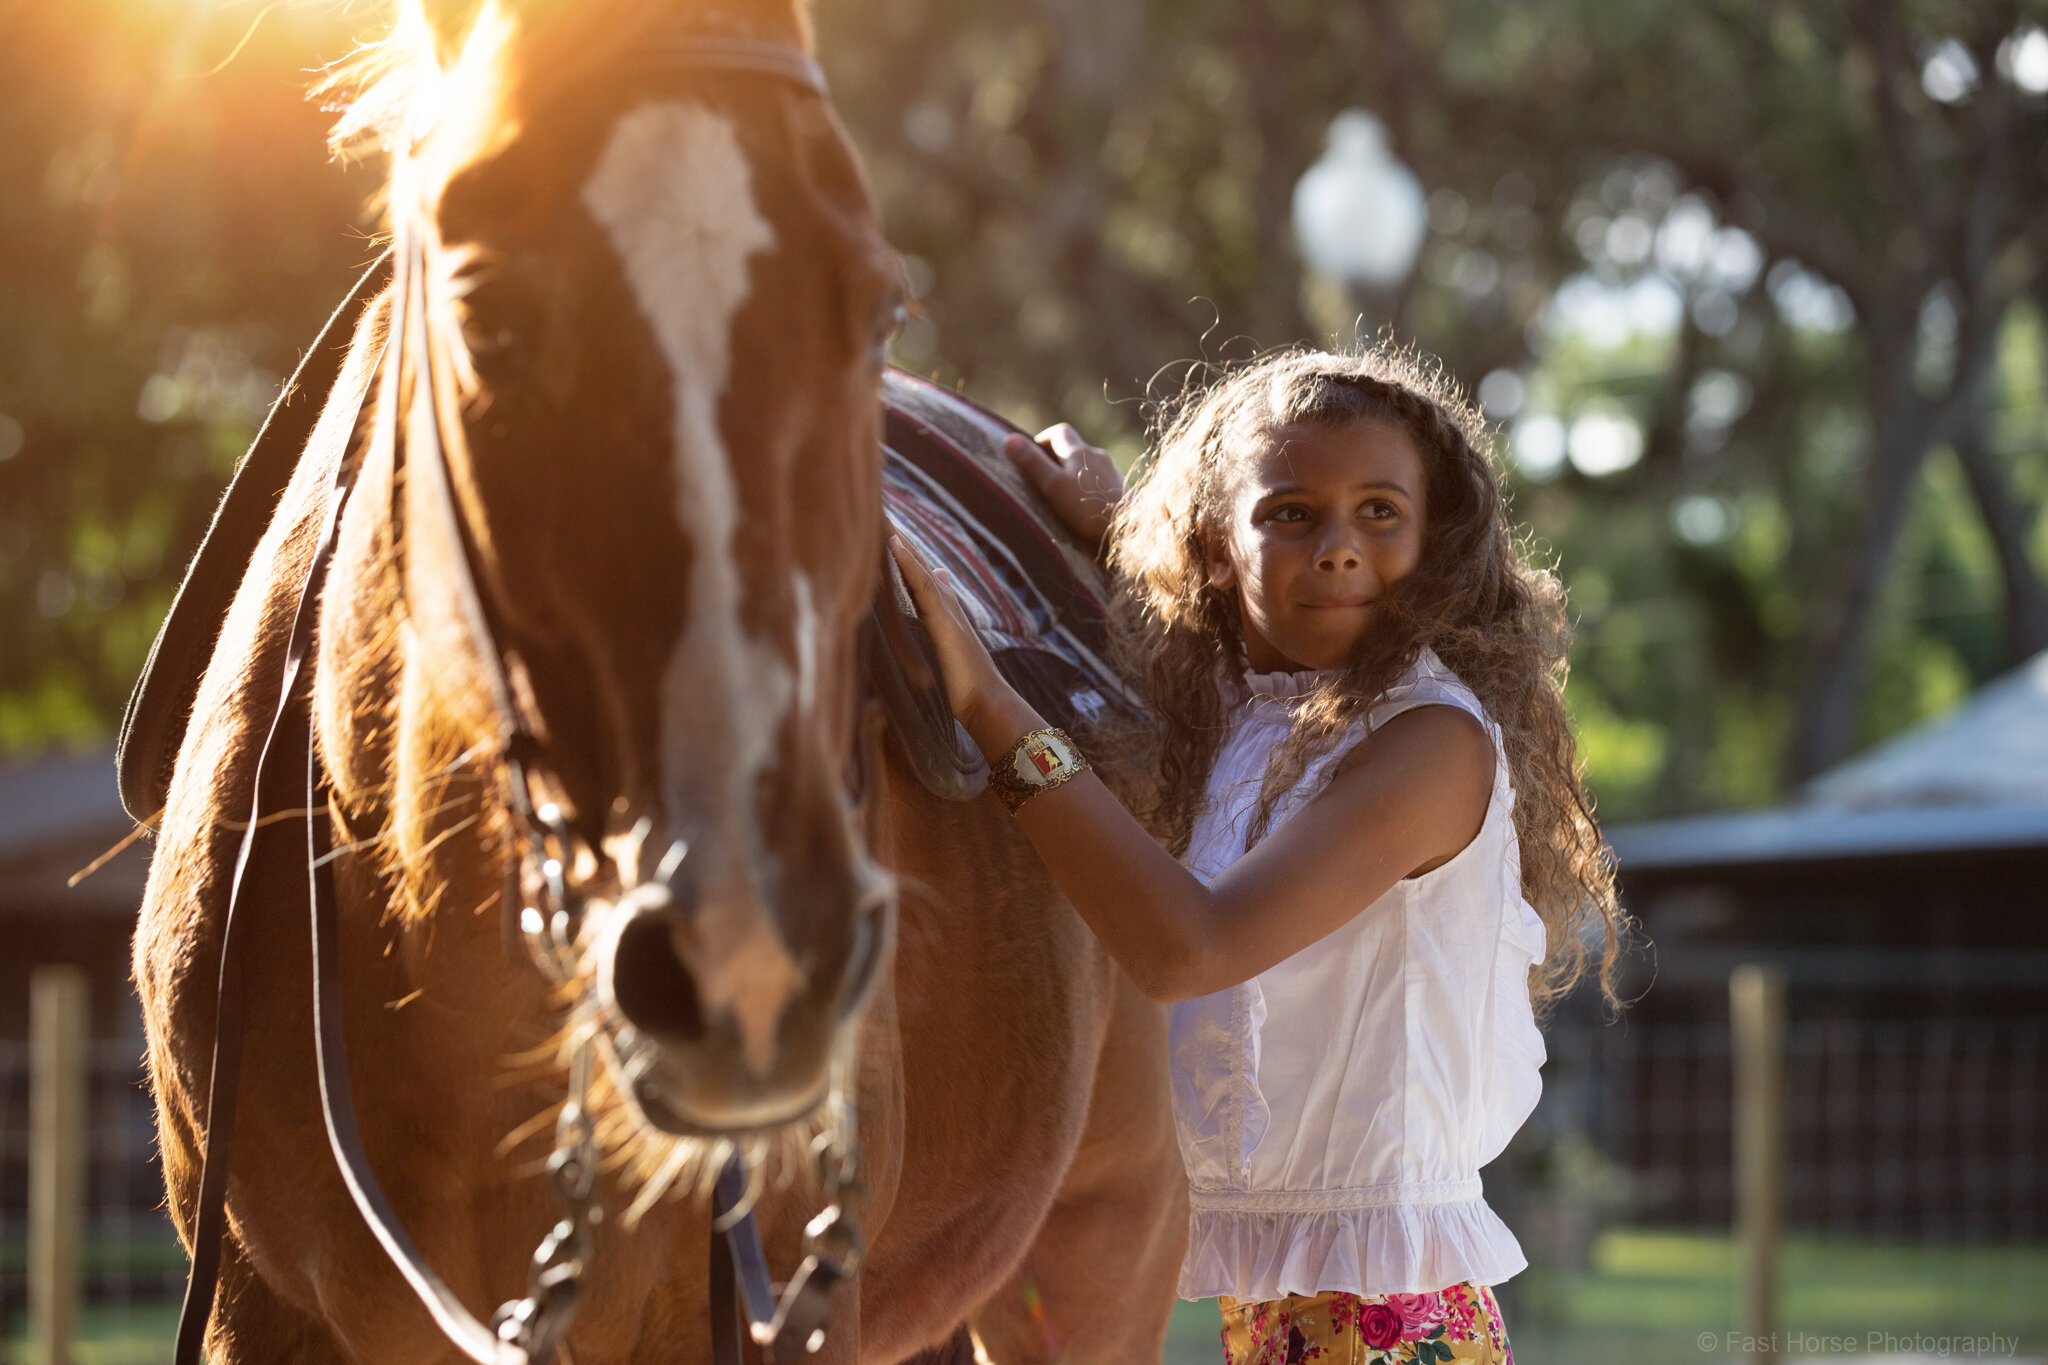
1494, 619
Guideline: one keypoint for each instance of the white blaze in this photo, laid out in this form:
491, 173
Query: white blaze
673, 193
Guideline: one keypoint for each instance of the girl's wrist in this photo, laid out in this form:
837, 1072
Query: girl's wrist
996, 717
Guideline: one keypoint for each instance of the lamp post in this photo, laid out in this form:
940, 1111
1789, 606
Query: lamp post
1359, 218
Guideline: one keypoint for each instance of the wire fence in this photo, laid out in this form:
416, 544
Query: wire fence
1921, 1131
131, 1256
1901, 1130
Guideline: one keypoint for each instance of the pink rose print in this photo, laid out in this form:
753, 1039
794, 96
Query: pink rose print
1461, 1312
1493, 1331
1379, 1326
1418, 1312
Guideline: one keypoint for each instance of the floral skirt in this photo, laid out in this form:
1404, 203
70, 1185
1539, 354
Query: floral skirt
1459, 1324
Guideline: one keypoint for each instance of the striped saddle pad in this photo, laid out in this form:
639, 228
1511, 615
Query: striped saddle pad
1035, 599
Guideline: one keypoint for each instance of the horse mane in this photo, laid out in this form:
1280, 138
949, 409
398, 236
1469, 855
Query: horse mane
474, 70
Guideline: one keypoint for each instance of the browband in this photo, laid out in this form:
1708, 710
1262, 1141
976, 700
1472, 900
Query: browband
696, 51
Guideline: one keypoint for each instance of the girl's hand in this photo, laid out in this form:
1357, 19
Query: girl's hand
973, 685
1080, 481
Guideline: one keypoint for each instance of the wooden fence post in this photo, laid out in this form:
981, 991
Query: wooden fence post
58, 1027
1756, 1018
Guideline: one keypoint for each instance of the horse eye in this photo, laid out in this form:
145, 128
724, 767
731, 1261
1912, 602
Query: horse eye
496, 322
487, 333
489, 344
889, 320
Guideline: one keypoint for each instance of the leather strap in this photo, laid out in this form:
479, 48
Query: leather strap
287, 725
337, 1106
791, 1326
700, 51
153, 723
740, 1291
291, 721
725, 1308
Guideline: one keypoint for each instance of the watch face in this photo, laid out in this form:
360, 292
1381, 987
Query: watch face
1040, 761
1042, 756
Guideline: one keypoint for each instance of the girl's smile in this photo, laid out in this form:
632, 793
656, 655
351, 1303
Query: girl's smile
1322, 522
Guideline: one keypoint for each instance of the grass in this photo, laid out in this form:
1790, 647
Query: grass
148, 1249
138, 1334
1194, 1337
1653, 1298
1648, 1298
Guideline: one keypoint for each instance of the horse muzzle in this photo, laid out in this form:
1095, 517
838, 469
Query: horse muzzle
719, 1030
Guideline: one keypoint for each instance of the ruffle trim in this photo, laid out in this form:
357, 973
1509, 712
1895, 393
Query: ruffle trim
1288, 686
1392, 1249
1340, 1197
1427, 668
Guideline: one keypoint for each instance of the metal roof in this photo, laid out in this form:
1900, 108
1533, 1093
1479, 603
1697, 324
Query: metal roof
1991, 750
58, 800
1975, 780
57, 815
1812, 834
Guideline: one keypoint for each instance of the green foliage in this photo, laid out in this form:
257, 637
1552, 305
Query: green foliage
1092, 200
1093, 196
169, 238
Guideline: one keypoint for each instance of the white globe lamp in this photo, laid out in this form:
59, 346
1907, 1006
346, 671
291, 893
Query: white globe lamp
1359, 214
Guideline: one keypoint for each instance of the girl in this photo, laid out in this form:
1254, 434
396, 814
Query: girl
1386, 855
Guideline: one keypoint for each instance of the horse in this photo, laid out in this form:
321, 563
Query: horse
642, 321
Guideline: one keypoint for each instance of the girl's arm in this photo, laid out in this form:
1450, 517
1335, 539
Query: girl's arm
1416, 795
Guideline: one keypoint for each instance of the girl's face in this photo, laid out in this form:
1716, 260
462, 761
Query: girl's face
1321, 522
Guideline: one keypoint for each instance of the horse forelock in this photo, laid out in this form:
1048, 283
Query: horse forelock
471, 73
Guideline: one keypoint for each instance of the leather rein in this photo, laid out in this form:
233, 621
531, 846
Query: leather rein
542, 912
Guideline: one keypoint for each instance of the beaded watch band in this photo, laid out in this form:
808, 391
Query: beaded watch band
1038, 762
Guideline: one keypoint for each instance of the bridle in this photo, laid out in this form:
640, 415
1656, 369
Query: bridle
542, 907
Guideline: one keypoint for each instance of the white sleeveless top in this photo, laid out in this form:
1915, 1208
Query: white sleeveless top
1334, 1110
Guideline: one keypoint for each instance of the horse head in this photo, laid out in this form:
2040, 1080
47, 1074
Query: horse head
649, 308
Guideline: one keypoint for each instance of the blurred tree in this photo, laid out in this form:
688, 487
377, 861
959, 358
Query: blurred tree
1744, 264
1876, 146
1754, 290
169, 236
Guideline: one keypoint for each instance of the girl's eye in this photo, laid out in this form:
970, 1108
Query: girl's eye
1288, 513
1378, 510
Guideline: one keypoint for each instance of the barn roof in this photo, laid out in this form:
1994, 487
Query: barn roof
1991, 751
1975, 780
56, 815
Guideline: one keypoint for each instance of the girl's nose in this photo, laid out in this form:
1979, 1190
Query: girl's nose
1338, 557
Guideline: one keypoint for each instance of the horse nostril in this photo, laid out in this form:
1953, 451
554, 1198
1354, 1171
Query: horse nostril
649, 984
